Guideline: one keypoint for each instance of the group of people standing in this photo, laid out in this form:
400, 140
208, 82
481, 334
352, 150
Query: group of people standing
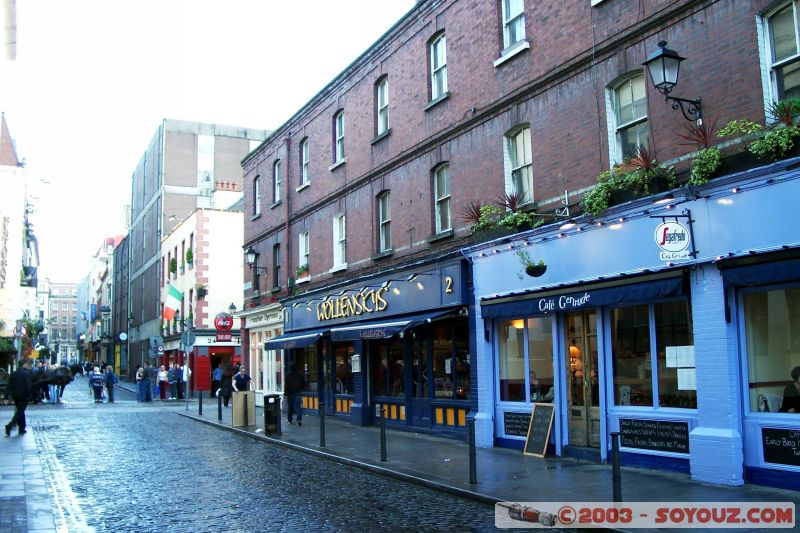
98, 381
48, 382
171, 384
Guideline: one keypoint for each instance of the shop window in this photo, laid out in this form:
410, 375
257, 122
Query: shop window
344, 372
540, 359
386, 359
451, 362
511, 351
305, 361
419, 359
668, 327
772, 330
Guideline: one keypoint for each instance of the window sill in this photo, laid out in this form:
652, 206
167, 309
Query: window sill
383, 255
338, 268
274, 205
304, 279
440, 236
306, 185
337, 164
511, 51
273, 290
437, 101
255, 217
381, 136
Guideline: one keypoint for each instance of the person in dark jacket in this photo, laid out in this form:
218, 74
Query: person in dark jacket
96, 383
19, 387
294, 386
226, 389
111, 380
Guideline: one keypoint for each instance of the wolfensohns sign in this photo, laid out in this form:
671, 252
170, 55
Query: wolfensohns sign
365, 301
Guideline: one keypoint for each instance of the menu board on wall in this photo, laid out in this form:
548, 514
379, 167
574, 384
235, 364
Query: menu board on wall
781, 446
657, 435
516, 423
539, 429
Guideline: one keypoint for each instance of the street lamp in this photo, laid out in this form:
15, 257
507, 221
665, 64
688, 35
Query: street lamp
232, 308
664, 66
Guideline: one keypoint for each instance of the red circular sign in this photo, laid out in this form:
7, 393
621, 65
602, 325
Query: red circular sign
223, 322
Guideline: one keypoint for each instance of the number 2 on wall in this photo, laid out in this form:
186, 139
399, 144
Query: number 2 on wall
448, 284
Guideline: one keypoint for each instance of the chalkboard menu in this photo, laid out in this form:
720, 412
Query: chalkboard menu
516, 423
539, 429
657, 435
781, 446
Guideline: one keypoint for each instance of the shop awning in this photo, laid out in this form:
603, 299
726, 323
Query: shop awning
383, 330
576, 298
300, 339
762, 273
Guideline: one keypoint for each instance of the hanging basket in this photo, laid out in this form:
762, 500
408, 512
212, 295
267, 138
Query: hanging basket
535, 270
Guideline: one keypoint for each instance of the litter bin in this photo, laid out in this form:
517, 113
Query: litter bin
272, 414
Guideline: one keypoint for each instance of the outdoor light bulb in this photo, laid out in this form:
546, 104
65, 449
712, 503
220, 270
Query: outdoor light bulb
420, 286
736, 190
569, 224
395, 290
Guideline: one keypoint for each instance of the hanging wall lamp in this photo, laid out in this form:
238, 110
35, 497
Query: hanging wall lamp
664, 65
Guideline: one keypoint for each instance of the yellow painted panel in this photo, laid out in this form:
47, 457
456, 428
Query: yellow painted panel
439, 415
349, 405
316, 404
338, 405
462, 417
393, 416
402, 412
451, 415
305, 402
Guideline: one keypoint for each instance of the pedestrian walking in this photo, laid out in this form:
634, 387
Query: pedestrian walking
20, 389
293, 387
172, 377
185, 375
111, 380
163, 382
226, 384
216, 379
96, 383
139, 384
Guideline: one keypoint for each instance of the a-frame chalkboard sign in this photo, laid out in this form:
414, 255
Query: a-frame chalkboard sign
539, 429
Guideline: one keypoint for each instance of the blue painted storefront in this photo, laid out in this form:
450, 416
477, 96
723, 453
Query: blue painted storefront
408, 331
707, 331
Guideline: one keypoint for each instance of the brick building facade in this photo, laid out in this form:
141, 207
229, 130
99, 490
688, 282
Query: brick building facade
461, 103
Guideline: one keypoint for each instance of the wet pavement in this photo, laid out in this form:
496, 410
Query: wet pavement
131, 466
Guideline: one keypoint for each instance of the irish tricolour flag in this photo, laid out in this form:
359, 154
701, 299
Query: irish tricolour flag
174, 298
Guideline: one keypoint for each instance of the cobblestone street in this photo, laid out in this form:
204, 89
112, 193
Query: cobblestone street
140, 467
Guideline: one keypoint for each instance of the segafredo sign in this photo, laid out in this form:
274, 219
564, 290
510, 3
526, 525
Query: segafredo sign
673, 239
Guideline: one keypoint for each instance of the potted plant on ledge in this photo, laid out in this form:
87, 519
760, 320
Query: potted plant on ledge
202, 291
189, 257
302, 272
173, 267
532, 268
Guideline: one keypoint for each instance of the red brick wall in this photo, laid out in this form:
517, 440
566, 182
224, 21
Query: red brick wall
558, 86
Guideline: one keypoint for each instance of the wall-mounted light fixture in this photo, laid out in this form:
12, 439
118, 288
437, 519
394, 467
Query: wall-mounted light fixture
664, 66
251, 257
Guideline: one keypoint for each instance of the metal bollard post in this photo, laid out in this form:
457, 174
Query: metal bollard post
219, 407
200, 403
383, 432
615, 475
473, 471
321, 424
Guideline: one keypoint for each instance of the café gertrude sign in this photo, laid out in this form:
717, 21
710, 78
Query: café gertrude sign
673, 240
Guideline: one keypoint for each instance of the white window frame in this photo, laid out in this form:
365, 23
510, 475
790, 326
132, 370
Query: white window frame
615, 129
511, 19
515, 166
442, 172
338, 136
257, 196
382, 105
438, 67
304, 150
303, 248
276, 181
769, 64
384, 222
339, 242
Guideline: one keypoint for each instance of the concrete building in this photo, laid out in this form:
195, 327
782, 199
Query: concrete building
62, 319
182, 167
362, 214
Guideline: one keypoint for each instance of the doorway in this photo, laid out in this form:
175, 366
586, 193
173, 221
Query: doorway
583, 383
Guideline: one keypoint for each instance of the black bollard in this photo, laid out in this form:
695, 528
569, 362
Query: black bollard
473, 470
219, 407
200, 403
616, 479
383, 432
321, 424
